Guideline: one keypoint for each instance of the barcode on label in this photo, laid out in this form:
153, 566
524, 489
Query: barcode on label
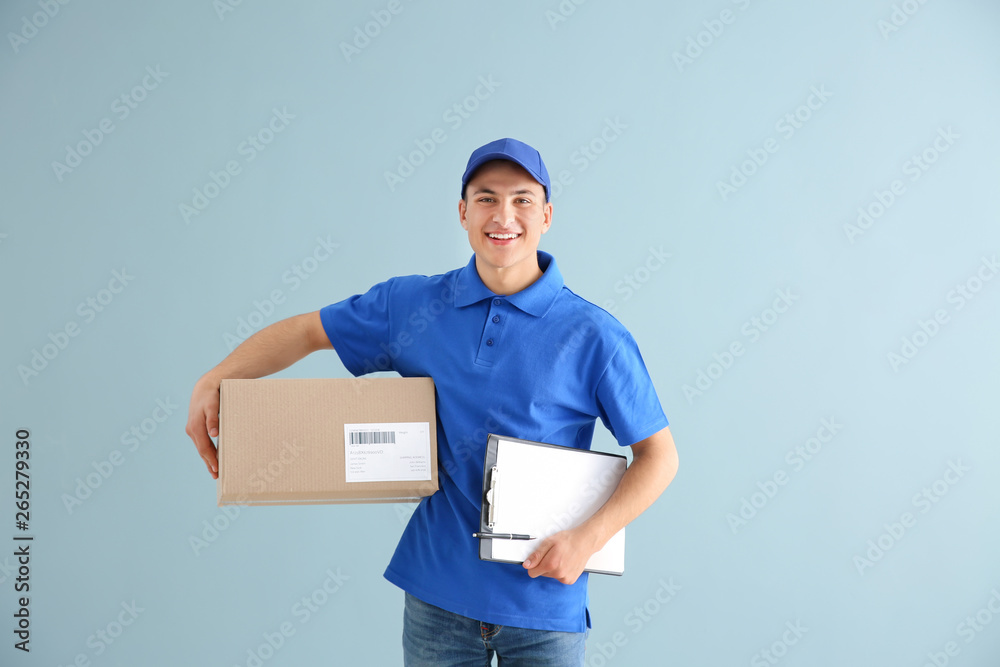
372, 437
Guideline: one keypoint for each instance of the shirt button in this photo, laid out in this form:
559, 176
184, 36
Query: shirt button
496, 302
490, 342
496, 318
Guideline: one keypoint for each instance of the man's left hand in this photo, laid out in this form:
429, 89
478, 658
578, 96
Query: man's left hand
561, 556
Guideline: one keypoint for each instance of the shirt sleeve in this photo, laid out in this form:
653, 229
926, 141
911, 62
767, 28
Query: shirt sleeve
626, 397
359, 327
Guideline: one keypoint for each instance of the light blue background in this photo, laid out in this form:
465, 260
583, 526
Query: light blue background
654, 187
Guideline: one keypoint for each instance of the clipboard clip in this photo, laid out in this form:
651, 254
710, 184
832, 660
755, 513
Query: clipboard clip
491, 497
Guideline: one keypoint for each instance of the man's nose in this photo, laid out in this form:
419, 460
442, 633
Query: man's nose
505, 214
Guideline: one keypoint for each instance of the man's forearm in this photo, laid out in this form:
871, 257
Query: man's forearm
272, 349
654, 466
268, 351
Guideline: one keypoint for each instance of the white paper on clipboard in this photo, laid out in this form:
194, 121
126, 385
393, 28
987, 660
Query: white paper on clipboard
544, 489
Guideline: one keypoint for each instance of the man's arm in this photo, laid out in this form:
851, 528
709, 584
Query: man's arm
268, 351
564, 555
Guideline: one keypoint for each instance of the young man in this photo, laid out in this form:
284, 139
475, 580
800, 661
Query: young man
511, 351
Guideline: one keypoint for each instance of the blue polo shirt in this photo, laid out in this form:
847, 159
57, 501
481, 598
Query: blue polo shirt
542, 364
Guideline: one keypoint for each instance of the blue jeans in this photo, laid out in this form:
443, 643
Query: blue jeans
433, 637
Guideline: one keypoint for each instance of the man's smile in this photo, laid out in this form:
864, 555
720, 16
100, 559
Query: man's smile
503, 236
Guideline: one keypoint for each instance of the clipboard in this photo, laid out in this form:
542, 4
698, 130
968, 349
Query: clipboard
538, 489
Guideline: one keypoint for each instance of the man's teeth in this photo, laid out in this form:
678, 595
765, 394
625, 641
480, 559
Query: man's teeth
503, 237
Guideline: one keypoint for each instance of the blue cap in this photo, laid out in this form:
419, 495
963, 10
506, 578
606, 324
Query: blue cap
514, 151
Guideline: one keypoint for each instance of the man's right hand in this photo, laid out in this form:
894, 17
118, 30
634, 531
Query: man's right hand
203, 421
270, 350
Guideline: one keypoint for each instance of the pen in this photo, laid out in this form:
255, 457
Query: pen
503, 536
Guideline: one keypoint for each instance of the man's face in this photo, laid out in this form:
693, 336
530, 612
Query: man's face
505, 213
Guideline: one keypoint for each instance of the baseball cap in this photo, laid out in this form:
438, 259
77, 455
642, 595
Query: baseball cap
514, 151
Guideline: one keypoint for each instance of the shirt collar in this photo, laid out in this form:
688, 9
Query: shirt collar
535, 299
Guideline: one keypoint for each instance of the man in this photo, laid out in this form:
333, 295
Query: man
511, 351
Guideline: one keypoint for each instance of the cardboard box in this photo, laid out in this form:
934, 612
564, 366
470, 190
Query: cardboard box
303, 442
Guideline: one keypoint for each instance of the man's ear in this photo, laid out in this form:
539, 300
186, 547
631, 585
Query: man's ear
548, 217
461, 215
